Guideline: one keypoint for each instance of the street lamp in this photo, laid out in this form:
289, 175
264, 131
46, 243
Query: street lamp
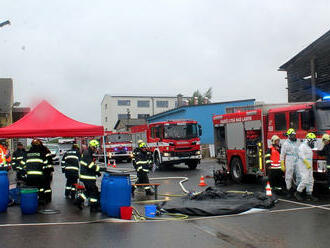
4, 23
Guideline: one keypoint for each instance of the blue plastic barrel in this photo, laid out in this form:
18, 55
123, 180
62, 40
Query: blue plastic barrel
104, 186
4, 191
29, 200
118, 194
150, 211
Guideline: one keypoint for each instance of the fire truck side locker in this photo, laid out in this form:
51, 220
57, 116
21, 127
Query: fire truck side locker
235, 149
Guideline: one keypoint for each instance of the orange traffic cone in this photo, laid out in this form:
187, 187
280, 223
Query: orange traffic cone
268, 189
114, 164
202, 182
109, 163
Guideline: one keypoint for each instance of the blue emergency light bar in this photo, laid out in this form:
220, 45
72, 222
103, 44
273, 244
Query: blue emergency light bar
326, 98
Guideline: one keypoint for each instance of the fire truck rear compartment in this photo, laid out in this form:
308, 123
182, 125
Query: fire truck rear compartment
239, 136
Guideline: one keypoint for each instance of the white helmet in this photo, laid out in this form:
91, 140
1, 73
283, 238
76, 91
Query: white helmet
274, 138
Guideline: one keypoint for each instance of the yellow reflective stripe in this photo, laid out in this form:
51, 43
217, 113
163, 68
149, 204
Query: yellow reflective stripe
72, 156
48, 154
34, 173
67, 187
34, 160
142, 162
92, 200
41, 190
145, 170
267, 155
22, 162
45, 162
82, 195
87, 177
91, 165
269, 161
48, 191
83, 163
97, 168
19, 158
71, 168
139, 168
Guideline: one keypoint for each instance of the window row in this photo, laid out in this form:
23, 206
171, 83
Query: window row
125, 116
142, 103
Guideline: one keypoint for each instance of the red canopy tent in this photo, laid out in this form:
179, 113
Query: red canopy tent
46, 121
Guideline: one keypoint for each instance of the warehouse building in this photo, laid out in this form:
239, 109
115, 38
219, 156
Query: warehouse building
308, 73
119, 107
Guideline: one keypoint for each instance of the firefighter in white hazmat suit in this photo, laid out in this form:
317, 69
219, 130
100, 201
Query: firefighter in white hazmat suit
305, 167
289, 160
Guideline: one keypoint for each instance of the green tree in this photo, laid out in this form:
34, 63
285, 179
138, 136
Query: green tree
200, 96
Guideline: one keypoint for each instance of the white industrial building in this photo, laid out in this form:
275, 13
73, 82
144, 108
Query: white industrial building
115, 107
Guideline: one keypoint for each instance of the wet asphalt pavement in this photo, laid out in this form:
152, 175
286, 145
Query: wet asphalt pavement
288, 224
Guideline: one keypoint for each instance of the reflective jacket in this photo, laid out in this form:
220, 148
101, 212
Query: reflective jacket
142, 159
88, 168
48, 168
273, 157
34, 162
70, 163
4, 158
17, 157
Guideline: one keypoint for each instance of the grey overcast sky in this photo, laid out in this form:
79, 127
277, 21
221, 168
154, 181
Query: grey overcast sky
73, 52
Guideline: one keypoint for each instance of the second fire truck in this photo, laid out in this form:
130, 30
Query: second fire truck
118, 146
242, 137
171, 142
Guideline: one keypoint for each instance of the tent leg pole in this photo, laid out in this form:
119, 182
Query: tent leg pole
104, 153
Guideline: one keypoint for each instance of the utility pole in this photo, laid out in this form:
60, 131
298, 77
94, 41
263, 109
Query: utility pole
4, 23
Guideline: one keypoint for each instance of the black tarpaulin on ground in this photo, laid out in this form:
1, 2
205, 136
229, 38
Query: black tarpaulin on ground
214, 201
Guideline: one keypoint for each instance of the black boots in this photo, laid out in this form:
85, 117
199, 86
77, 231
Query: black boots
298, 196
290, 193
310, 197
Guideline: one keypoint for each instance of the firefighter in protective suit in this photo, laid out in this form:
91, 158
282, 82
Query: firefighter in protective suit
88, 172
34, 163
325, 151
70, 166
142, 162
289, 160
305, 166
4, 157
18, 156
273, 165
48, 173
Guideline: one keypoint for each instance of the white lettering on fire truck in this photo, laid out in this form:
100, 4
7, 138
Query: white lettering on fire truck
239, 119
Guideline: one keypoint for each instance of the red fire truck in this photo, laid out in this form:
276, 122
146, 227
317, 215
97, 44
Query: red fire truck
242, 137
118, 146
172, 142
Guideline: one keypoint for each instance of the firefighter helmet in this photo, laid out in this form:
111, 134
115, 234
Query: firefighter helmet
36, 142
139, 142
274, 138
93, 143
326, 137
141, 145
311, 136
290, 131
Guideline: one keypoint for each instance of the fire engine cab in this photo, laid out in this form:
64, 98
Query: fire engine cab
171, 142
118, 146
242, 137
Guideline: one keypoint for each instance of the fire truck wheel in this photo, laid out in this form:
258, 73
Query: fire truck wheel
192, 165
236, 169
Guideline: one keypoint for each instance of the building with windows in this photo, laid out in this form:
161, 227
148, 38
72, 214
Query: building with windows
119, 107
